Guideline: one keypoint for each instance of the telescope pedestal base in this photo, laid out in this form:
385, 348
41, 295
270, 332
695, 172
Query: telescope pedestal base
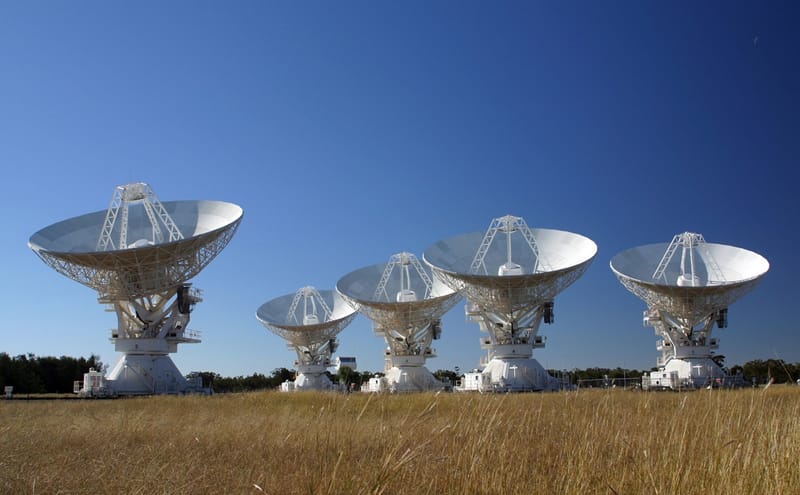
508, 374
690, 372
411, 379
146, 374
312, 381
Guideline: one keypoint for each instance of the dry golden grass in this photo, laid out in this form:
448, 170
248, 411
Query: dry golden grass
705, 442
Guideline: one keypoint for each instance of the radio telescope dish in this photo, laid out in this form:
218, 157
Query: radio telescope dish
139, 255
309, 320
510, 275
405, 305
686, 295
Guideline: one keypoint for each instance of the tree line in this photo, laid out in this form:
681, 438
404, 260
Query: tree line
30, 374
776, 370
258, 381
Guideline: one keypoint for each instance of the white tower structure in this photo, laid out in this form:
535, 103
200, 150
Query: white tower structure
139, 255
510, 276
405, 306
686, 296
309, 320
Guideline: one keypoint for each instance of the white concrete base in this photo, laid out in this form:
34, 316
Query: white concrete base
146, 374
411, 379
695, 372
312, 381
516, 375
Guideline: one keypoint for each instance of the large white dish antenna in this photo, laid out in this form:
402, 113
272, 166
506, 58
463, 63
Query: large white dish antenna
384, 310
564, 258
510, 275
724, 274
70, 247
309, 320
687, 296
276, 316
405, 305
139, 255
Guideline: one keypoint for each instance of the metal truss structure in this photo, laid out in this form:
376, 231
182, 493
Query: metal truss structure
687, 306
310, 297
689, 242
508, 225
126, 196
403, 261
138, 272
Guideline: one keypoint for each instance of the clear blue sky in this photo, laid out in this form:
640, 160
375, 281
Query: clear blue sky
349, 131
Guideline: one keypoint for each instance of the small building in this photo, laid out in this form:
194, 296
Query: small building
376, 384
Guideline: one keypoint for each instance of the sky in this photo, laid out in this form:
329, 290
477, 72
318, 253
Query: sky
350, 131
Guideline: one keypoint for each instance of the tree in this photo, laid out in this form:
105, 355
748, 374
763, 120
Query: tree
446, 376
209, 378
280, 375
364, 376
347, 375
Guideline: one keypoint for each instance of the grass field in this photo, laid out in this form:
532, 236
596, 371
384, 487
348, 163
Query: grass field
592, 441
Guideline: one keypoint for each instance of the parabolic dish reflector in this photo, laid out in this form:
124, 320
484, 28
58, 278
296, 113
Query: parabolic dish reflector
563, 258
275, 315
70, 247
724, 274
360, 286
